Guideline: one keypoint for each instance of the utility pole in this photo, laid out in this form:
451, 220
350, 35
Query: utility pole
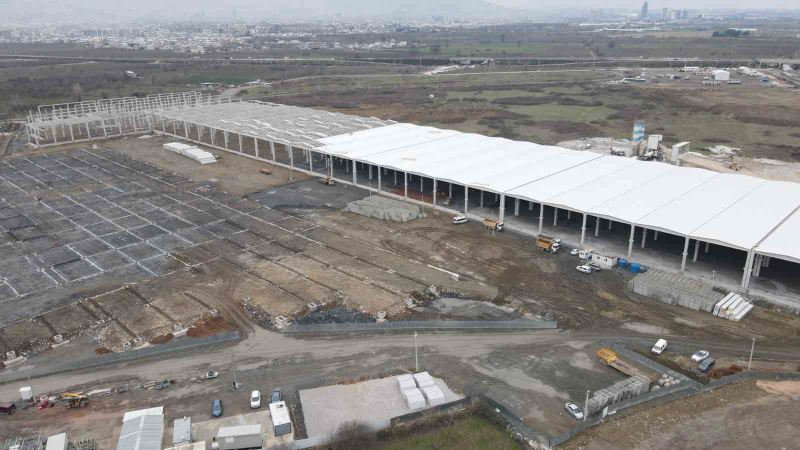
233, 364
416, 354
586, 406
752, 347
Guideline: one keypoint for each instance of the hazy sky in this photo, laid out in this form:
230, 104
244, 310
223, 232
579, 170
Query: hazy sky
60, 11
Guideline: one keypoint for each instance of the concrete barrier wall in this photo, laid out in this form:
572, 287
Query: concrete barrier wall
411, 325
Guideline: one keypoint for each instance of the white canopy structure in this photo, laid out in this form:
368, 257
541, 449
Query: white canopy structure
731, 210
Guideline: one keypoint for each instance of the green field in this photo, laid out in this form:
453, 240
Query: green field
471, 433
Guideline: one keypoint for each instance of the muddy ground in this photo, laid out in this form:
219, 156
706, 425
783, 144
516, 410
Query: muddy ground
273, 249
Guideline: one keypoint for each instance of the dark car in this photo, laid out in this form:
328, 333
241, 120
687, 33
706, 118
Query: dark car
8, 408
276, 396
706, 365
216, 408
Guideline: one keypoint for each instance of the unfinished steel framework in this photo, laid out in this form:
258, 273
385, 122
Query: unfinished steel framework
478, 176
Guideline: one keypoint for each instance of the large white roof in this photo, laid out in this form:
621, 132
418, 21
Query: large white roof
727, 209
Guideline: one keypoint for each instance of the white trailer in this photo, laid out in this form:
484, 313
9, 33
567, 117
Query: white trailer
240, 437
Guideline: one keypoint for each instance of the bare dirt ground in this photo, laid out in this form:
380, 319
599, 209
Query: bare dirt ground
281, 247
740, 416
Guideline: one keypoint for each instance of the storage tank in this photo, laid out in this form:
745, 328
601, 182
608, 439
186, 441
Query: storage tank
635, 267
622, 262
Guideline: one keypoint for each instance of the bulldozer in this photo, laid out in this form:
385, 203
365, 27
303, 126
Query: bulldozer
74, 400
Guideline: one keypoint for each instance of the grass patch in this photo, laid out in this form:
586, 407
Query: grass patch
471, 433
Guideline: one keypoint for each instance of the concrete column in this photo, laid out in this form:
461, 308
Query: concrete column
466, 198
54, 132
630, 241
379, 179
272, 150
569, 214
516, 206
200, 134
597, 227
748, 268
405, 184
481, 199
707, 246
255, 142
395, 178
211, 133
291, 156
530, 206
502, 214
555, 217
767, 259
541, 217
685, 253
609, 224
583, 229
241, 147
434, 192
225, 136
696, 250
655, 235
71, 134
644, 236
311, 162
450, 189
355, 172
370, 171
421, 187
757, 266
88, 133
186, 130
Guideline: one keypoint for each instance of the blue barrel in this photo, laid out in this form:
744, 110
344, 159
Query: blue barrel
635, 267
622, 262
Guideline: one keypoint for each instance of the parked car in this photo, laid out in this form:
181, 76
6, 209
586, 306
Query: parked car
660, 346
460, 219
8, 408
276, 396
255, 399
574, 251
706, 365
700, 356
584, 269
595, 267
211, 375
574, 411
216, 408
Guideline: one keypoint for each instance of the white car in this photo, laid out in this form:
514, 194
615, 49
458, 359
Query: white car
700, 355
660, 346
574, 251
255, 399
460, 219
584, 269
574, 411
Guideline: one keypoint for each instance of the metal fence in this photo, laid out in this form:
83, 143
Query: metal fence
411, 325
175, 346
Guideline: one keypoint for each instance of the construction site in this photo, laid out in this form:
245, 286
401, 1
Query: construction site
153, 241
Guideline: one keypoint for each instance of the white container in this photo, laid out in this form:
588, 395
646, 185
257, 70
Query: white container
26, 393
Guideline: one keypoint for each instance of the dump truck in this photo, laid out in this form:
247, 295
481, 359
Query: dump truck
494, 225
74, 399
548, 244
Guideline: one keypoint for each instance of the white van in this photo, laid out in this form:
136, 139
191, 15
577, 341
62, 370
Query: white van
660, 346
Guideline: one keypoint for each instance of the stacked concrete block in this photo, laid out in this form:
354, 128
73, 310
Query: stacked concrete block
385, 209
424, 379
675, 289
201, 156
617, 392
414, 398
434, 395
406, 382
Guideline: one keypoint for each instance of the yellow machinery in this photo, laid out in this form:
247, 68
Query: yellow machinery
75, 399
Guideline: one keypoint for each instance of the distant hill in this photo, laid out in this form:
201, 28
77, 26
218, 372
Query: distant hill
109, 11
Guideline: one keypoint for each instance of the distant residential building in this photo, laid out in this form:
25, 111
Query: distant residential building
665, 14
644, 10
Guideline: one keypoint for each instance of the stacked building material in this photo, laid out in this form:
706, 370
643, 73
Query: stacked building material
434, 395
617, 392
733, 307
406, 382
676, 289
424, 380
414, 399
201, 156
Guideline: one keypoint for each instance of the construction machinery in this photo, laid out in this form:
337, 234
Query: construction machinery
493, 225
443, 198
265, 171
74, 399
548, 244
328, 181
611, 359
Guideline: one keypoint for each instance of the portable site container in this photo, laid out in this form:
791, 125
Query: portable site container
281, 422
240, 437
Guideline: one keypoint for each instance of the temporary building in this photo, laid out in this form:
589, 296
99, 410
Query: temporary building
142, 430
182, 431
721, 75
281, 422
57, 442
240, 437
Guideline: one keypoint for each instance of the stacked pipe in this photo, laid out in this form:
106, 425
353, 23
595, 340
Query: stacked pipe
201, 156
